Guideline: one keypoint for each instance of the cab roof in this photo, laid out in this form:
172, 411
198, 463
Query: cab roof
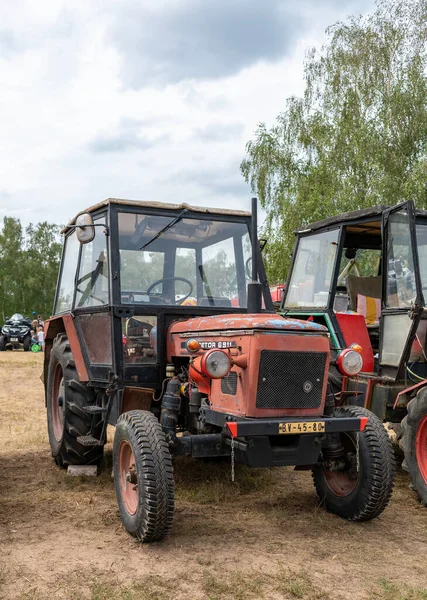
364, 214
158, 205
344, 218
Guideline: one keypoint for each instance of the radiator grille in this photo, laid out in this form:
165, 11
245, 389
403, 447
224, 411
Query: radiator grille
290, 379
229, 384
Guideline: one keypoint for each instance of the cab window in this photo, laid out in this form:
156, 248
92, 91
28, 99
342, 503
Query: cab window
92, 283
182, 261
311, 279
70, 258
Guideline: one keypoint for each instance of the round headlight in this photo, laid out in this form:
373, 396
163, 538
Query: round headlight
350, 362
216, 364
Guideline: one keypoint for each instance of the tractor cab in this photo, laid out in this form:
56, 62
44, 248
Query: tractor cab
360, 274
164, 327
142, 266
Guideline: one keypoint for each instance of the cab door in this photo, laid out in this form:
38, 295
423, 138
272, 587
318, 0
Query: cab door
403, 300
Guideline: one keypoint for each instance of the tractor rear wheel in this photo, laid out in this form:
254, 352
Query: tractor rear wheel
143, 476
67, 420
362, 489
414, 443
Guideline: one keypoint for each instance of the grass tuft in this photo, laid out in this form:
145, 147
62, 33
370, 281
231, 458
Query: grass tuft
387, 590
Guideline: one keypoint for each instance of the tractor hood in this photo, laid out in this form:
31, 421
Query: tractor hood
244, 321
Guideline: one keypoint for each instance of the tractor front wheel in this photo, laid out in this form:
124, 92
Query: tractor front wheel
358, 484
67, 419
143, 476
414, 443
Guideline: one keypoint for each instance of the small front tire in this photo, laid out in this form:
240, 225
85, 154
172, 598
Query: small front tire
2, 343
143, 476
359, 494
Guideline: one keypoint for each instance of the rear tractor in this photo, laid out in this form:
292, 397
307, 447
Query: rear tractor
164, 327
363, 275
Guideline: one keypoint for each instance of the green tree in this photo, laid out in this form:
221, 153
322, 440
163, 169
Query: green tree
12, 294
29, 265
42, 255
357, 137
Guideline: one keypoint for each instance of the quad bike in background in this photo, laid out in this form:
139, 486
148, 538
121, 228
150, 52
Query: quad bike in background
16, 333
221, 375
363, 275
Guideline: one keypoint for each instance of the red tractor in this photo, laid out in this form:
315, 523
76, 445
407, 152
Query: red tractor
164, 326
363, 275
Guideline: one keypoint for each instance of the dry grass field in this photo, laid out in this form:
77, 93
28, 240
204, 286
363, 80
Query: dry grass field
263, 537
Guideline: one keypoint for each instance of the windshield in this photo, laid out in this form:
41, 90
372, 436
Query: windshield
312, 271
183, 261
16, 317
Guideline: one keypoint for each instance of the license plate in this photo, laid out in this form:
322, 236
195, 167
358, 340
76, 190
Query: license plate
303, 427
13, 339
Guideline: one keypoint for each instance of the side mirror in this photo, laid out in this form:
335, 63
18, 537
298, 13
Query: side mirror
85, 228
262, 243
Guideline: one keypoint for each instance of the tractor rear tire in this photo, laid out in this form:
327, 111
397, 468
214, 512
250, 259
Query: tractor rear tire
143, 476
2, 343
27, 344
66, 418
365, 496
414, 443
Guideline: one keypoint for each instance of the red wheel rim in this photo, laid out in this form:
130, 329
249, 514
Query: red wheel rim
339, 482
421, 448
58, 402
128, 477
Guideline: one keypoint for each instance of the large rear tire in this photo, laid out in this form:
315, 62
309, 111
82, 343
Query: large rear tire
143, 476
359, 494
66, 417
414, 443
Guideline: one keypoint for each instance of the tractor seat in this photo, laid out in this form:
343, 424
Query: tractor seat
362, 290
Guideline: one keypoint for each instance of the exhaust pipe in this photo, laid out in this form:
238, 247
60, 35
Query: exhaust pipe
254, 286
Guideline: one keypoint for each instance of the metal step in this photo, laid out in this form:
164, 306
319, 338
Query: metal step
87, 440
93, 409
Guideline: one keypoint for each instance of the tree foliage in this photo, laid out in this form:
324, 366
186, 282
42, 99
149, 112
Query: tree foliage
357, 137
29, 262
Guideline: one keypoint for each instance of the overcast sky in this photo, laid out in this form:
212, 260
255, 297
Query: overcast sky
143, 100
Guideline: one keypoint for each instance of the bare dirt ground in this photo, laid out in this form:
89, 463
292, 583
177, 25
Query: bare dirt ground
263, 537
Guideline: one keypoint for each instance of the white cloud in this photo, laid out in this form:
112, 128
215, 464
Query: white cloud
73, 132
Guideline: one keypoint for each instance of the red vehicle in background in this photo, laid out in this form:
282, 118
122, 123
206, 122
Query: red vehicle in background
277, 292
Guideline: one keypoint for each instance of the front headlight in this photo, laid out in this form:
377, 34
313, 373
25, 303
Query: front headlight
5, 329
216, 364
350, 362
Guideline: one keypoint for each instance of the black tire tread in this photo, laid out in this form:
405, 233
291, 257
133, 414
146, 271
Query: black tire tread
77, 421
377, 494
417, 409
157, 493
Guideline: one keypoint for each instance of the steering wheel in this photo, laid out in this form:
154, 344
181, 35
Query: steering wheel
159, 281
